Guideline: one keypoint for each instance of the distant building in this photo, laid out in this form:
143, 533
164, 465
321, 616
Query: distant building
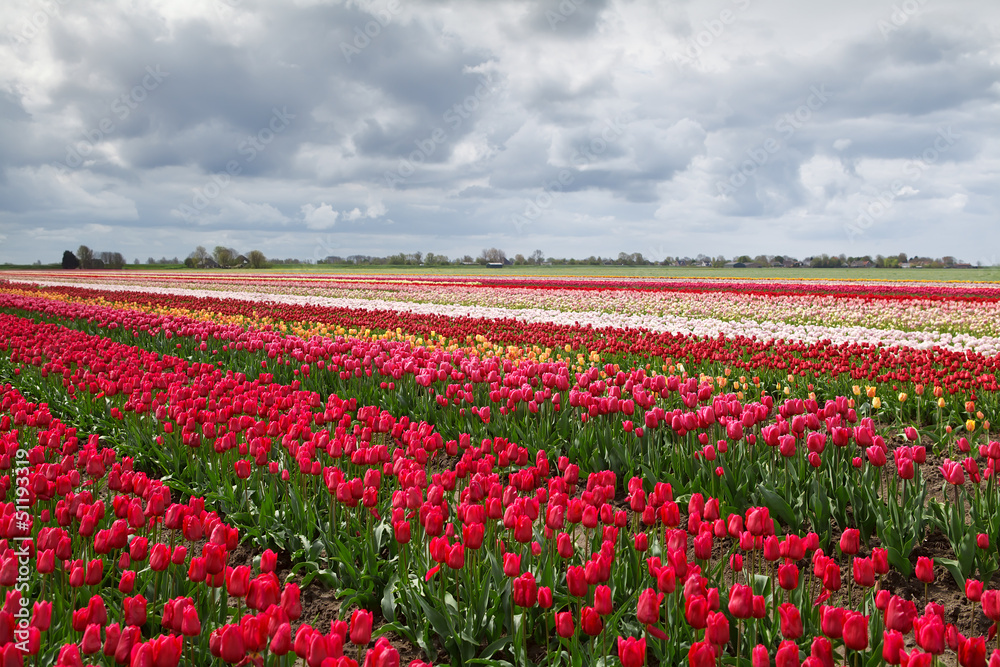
494, 265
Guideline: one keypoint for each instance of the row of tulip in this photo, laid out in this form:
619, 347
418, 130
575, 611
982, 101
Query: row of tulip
605, 405
733, 322
517, 484
835, 365
98, 563
919, 308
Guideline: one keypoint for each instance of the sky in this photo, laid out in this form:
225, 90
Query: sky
311, 128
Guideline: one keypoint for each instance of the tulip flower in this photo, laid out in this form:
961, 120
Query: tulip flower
632, 652
832, 621
590, 621
564, 624
893, 645
717, 629
524, 590
929, 631
648, 608
741, 601
791, 621
361, 627
759, 657
787, 655
855, 631
701, 654
924, 569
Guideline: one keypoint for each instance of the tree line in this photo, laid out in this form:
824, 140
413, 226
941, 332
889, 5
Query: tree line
228, 258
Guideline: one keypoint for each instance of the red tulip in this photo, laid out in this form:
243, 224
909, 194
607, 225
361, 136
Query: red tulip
238, 581
511, 564
864, 572
791, 621
361, 627
576, 581
974, 590
929, 632
590, 621
717, 629
856, 631
892, 646
741, 601
850, 541
759, 656
991, 605
821, 651
190, 623
972, 652
832, 621
648, 608
524, 590
602, 600
701, 654
788, 576
281, 642
564, 624
632, 652
787, 655
925, 569
134, 610
696, 611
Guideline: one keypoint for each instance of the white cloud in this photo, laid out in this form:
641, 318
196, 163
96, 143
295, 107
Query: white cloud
319, 217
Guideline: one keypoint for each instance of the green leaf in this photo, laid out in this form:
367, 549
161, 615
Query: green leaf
389, 599
779, 506
955, 568
900, 562
440, 623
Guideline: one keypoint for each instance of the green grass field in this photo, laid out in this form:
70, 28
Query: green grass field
991, 274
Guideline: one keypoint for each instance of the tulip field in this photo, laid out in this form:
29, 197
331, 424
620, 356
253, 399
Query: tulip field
497, 470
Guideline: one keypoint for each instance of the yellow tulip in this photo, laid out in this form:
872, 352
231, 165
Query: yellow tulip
970, 425
876, 402
902, 397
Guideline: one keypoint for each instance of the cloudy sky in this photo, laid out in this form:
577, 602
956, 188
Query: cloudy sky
311, 128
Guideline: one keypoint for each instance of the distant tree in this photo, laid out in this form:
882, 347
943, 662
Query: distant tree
69, 260
492, 256
257, 259
86, 257
223, 256
519, 260
197, 257
902, 258
537, 257
112, 260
